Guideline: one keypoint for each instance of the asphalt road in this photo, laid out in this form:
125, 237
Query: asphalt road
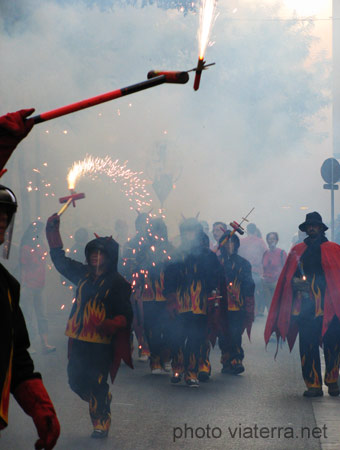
260, 409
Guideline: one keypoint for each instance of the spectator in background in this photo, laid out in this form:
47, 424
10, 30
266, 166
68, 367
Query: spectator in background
273, 261
252, 249
33, 253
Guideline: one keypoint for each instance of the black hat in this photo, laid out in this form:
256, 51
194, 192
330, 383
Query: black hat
313, 218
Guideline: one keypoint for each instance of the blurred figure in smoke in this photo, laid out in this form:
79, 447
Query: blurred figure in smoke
16, 366
33, 253
129, 269
252, 249
188, 282
298, 238
151, 263
99, 324
206, 230
237, 304
307, 301
218, 229
273, 261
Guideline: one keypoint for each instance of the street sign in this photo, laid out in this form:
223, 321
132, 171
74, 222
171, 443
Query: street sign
330, 171
335, 187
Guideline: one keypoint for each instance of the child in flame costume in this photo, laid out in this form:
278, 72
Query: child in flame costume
307, 301
188, 282
237, 305
151, 263
99, 324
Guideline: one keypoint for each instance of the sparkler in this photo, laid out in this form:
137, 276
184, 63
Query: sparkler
207, 18
132, 185
163, 77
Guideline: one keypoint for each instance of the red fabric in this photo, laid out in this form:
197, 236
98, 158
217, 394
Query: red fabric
33, 266
250, 314
122, 351
13, 128
52, 232
279, 316
35, 401
273, 262
111, 326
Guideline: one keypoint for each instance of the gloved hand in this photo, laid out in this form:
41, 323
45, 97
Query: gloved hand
13, 128
172, 305
111, 326
250, 314
35, 401
52, 232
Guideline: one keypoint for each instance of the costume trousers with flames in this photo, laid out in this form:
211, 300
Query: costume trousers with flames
88, 369
309, 341
189, 345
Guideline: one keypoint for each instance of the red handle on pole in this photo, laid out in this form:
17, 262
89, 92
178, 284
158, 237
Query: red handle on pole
162, 77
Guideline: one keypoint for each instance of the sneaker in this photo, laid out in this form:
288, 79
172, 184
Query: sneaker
143, 358
32, 351
203, 376
333, 389
99, 434
156, 371
192, 382
176, 378
233, 369
313, 392
237, 368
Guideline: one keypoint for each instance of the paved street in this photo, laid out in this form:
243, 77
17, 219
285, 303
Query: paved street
261, 409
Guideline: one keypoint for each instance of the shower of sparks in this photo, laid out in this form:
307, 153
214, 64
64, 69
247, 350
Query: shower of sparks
207, 19
40, 184
132, 185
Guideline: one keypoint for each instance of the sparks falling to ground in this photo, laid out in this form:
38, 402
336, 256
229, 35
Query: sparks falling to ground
131, 184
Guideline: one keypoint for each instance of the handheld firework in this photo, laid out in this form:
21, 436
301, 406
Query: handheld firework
236, 227
68, 200
155, 80
207, 18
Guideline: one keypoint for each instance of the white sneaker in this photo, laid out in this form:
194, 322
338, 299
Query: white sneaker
157, 371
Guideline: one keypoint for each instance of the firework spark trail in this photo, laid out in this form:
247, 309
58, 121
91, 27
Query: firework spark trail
132, 185
207, 19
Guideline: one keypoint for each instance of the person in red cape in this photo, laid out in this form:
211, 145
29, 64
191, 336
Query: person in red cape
99, 324
307, 302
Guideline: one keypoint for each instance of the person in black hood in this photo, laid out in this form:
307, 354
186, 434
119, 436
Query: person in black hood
237, 303
99, 324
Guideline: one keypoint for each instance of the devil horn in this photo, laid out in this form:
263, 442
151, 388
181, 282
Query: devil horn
97, 236
197, 214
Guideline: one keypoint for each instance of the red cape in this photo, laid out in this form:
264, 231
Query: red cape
279, 316
122, 351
